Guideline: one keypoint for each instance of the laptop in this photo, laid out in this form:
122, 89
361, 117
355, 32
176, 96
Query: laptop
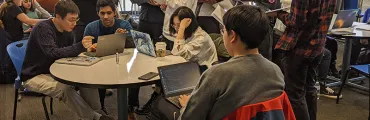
178, 79
143, 43
343, 22
109, 45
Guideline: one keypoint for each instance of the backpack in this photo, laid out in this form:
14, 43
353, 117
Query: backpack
364, 57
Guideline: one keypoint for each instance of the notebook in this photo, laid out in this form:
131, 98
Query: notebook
79, 60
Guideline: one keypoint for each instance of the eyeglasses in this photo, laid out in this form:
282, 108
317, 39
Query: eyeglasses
73, 20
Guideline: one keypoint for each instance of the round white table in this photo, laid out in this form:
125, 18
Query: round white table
108, 74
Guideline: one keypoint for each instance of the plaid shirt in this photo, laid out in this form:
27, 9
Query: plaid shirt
295, 34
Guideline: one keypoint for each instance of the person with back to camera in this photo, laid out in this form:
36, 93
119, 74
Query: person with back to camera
247, 78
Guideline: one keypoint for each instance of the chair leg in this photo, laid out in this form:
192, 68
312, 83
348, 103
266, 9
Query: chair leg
15, 104
51, 106
343, 83
45, 108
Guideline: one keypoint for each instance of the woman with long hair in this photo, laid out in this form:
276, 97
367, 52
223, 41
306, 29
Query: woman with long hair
12, 17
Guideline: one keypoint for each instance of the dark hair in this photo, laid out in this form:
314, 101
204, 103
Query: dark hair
185, 12
250, 23
63, 7
32, 9
104, 3
4, 6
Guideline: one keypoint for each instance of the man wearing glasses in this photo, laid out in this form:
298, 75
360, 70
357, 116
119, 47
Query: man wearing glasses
51, 40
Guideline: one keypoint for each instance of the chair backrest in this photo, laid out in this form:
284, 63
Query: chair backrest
278, 108
17, 51
366, 16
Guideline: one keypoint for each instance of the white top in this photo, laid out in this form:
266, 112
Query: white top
198, 47
172, 5
132, 65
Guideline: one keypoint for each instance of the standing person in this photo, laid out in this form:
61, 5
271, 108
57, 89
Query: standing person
50, 40
151, 22
88, 14
247, 78
302, 44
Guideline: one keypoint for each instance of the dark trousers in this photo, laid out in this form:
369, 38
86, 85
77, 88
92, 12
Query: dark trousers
323, 68
332, 46
300, 77
79, 32
155, 31
209, 24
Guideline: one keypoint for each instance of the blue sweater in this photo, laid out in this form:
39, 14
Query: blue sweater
97, 28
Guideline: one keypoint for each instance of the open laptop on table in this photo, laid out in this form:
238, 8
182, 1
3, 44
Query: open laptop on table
143, 43
343, 22
178, 79
109, 45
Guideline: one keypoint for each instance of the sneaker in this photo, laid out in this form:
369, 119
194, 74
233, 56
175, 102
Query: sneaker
106, 117
329, 93
146, 108
109, 92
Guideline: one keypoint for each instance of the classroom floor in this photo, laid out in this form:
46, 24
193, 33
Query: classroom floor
353, 106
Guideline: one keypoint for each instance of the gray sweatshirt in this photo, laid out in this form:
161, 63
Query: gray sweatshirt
225, 87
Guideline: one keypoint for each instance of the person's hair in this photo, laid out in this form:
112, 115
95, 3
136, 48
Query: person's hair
104, 3
250, 23
32, 8
184, 12
4, 6
63, 7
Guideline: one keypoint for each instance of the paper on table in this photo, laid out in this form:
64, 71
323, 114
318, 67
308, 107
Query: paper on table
280, 9
161, 1
363, 27
226, 4
219, 13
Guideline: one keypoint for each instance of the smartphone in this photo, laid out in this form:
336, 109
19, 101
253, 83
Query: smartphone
148, 76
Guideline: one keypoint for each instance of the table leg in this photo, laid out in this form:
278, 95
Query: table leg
346, 58
122, 104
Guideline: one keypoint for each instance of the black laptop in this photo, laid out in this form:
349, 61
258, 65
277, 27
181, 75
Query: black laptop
178, 79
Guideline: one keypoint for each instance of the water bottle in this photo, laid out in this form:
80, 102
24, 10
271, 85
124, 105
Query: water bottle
317, 86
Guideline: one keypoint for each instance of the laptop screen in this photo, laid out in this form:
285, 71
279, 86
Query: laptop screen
345, 19
179, 79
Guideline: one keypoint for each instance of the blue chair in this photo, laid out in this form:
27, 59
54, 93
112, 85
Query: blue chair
17, 52
366, 16
362, 69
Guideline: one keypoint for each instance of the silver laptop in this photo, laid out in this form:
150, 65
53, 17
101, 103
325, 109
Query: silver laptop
178, 79
341, 24
109, 45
